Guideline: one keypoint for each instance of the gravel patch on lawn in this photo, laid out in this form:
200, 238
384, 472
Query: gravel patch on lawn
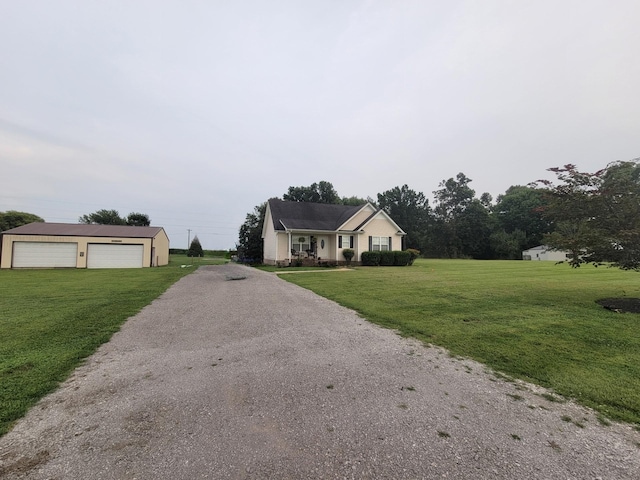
235, 373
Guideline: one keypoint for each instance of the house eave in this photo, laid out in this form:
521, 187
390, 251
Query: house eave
321, 232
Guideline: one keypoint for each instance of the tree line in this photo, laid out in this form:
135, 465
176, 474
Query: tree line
13, 219
594, 216
112, 217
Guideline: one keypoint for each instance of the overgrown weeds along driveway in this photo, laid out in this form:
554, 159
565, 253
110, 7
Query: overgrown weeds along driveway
232, 377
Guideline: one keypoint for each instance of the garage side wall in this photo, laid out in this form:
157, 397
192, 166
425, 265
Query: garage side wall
81, 261
160, 250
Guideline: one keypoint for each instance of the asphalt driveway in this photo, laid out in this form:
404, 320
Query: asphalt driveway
252, 378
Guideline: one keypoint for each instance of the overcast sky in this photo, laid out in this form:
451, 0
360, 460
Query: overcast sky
194, 112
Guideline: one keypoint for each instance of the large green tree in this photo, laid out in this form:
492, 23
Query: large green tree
410, 210
596, 216
474, 228
13, 219
322, 192
462, 224
138, 219
519, 221
618, 203
112, 217
250, 245
103, 217
451, 199
355, 201
507, 246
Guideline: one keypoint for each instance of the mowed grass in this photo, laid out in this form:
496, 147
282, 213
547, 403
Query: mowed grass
536, 321
52, 319
196, 261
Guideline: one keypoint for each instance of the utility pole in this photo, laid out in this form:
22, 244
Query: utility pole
188, 237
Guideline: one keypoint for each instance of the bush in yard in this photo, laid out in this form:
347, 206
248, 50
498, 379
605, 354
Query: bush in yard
348, 254
370, 259
413, 254
327, 264
401, 259
387, 257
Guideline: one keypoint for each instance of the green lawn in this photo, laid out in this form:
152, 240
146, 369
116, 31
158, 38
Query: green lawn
537, 321
196, 261
52, 319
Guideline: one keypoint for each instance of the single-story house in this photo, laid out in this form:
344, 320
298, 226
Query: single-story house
68, 245
322, 231
543, 252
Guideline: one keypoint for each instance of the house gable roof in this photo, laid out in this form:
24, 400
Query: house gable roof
383, 214
84, 230
286, 215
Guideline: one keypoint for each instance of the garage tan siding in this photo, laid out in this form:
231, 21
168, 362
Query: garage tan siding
9, 240
161, 250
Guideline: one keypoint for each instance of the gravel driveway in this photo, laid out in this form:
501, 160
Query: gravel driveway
255, 378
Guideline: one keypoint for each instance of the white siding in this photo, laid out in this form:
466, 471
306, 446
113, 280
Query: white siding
44, 255
544, 254
107, 255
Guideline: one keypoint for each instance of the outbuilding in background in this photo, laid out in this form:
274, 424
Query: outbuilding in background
543, 252
65, 245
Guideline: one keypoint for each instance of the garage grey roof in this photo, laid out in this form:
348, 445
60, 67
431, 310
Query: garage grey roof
310, 216
84, 230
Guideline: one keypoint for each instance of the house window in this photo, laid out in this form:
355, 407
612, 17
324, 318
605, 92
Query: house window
379, 243
345, 241
300, 243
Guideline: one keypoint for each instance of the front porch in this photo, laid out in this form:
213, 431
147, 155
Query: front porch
310, 262
307, 259
311, 248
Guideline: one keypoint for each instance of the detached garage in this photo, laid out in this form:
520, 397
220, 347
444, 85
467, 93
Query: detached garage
64, 245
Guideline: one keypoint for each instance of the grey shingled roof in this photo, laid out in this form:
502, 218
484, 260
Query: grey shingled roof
310, 216
84, 230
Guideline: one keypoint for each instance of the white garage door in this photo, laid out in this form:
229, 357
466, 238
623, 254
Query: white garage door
107, 255
44, 255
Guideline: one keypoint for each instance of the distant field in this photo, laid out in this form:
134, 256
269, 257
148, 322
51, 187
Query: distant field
536, 321
52, 319
196, 261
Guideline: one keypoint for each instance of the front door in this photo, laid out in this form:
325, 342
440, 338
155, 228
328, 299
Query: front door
322, 245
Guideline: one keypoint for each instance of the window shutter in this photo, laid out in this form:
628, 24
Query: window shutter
339, 241
390, 248
351, 241
370, 243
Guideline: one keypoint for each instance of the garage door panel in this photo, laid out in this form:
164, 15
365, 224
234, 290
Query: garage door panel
44, 255
107, 255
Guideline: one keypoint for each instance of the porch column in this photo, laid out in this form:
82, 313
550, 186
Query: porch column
289, 247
